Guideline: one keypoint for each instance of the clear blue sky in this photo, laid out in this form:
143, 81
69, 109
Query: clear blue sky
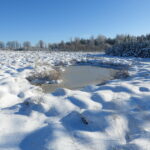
56, 20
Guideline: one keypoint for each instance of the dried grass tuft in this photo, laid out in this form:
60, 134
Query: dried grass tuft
122, 74
44, 73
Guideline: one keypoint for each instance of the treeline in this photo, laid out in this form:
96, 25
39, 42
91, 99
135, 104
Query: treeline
121, 45
99, 43
127, 45
15, 45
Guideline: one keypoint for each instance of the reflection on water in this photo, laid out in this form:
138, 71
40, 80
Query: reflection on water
76, 77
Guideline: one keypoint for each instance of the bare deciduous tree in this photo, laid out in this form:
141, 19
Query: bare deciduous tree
41, 44
13, 45
26, 44
2, 45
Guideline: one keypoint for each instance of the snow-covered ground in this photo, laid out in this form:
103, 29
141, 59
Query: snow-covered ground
114, 116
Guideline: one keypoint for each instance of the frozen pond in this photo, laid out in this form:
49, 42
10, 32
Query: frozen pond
76, 77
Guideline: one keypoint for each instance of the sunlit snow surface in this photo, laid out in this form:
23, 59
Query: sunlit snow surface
114, 116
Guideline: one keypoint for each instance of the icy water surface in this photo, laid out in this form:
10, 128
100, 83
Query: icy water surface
76, 77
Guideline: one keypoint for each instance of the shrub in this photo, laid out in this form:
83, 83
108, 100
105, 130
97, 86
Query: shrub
121, 74
44, 73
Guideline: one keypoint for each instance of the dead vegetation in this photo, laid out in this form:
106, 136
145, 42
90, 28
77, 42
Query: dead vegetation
121, 74
44, 73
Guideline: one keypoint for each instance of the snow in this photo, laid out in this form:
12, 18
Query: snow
113, 116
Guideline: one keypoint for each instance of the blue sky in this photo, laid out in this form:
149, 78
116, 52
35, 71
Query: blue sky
56, 20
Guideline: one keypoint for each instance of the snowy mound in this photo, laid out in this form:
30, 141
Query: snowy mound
114, 116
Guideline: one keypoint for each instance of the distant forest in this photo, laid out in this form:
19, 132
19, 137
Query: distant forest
99, 43
121, 45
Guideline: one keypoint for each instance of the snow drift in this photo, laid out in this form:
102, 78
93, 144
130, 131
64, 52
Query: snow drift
114, 116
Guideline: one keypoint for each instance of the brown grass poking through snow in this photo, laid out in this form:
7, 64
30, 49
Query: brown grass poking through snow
44, 73
121, 74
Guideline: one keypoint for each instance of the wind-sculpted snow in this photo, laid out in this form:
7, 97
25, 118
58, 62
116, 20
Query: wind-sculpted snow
113, 116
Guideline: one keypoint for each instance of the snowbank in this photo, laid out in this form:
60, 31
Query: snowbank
114, 116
